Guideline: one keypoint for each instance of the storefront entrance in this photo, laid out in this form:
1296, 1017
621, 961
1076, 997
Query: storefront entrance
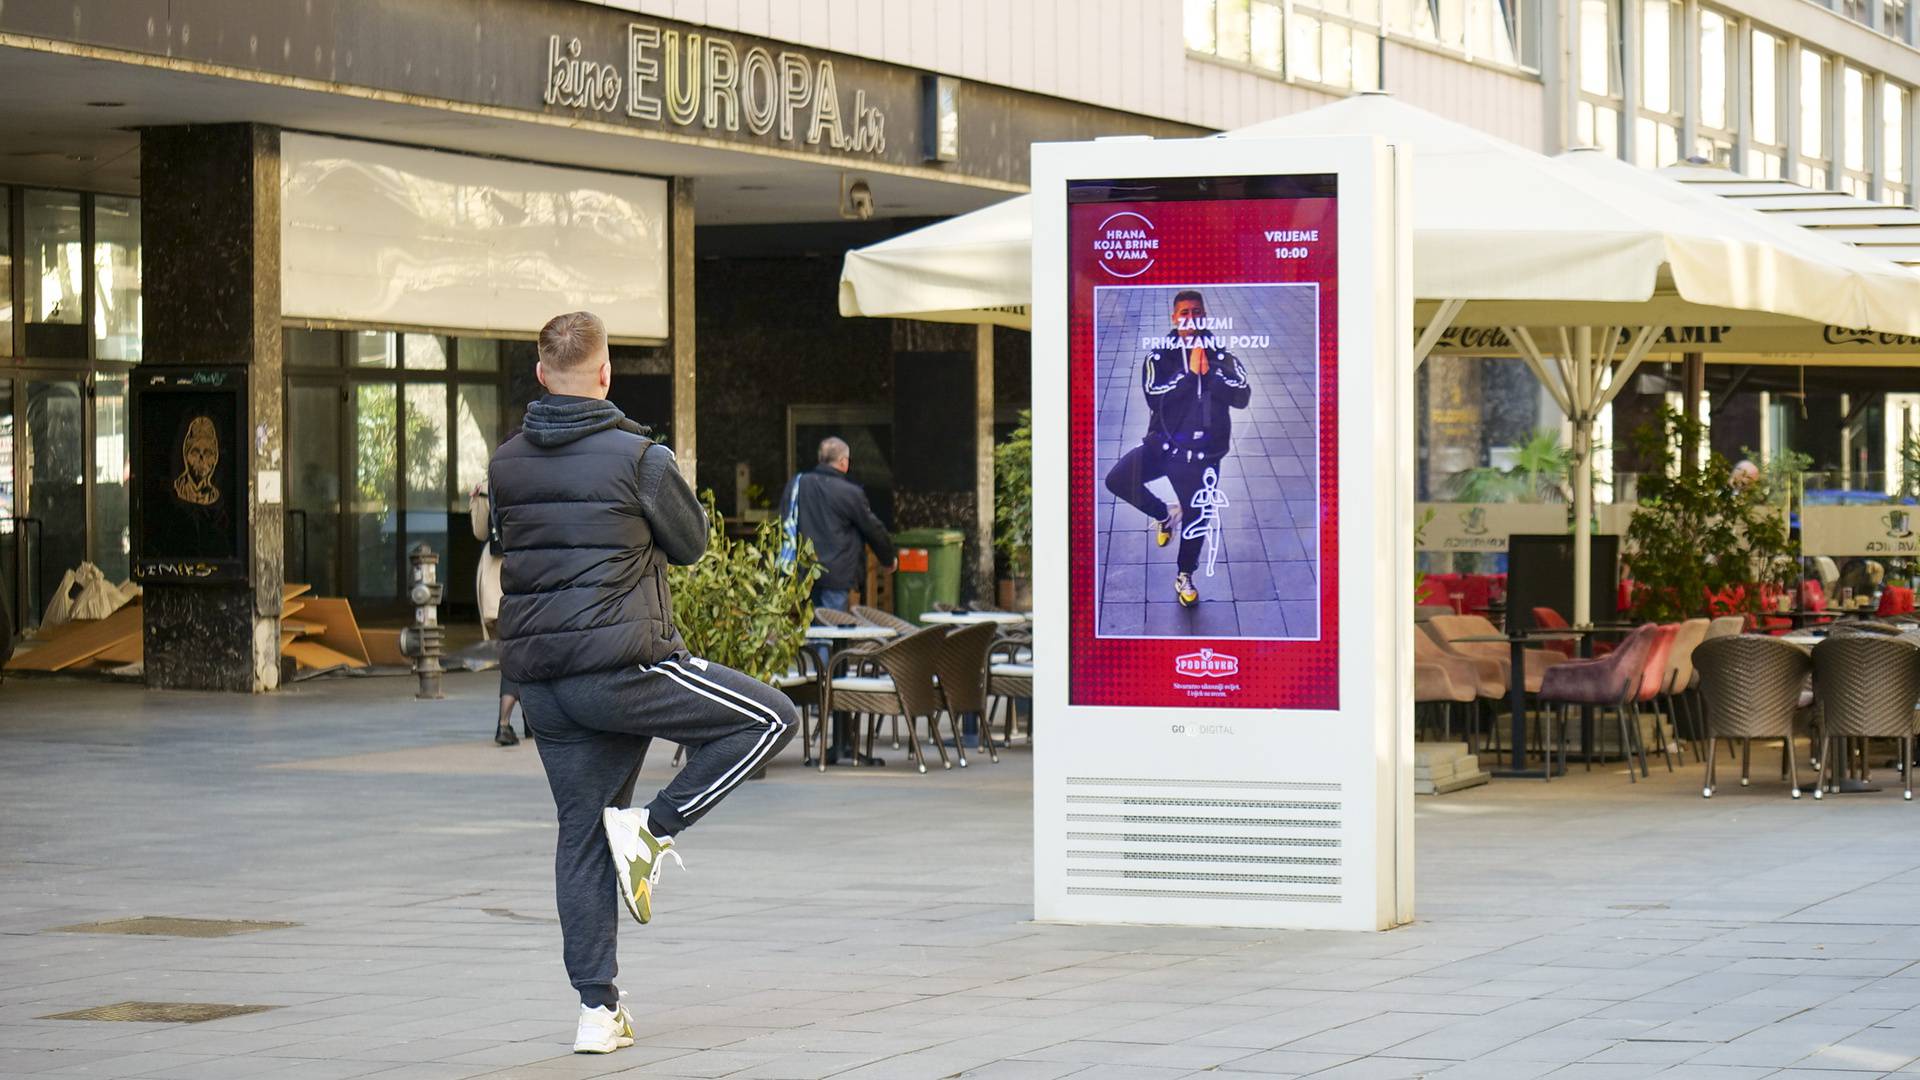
387, 435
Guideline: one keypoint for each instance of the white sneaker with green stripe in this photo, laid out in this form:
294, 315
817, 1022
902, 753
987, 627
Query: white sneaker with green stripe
603, 1030
637, 857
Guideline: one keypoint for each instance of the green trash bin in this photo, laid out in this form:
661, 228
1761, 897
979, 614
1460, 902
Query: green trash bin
928, 572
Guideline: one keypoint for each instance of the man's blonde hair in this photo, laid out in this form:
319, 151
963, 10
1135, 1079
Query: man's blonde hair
568, 341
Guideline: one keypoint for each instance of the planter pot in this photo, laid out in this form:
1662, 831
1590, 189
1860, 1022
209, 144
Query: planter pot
1016, 594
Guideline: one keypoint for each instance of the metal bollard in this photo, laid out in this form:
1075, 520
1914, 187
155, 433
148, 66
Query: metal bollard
422, 640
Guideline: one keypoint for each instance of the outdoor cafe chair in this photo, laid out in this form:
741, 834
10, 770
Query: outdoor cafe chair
1653, 680
1676, 693
1725, 626
1449, 629
877, 617
826, 616
1866, 686
1477, 678
1609, 682
1434, 685
895, 679
961, 665
1751, 684
806, 686
1009, 680
1545, 618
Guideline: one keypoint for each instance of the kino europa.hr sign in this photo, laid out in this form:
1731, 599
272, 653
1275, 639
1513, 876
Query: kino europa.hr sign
690, 79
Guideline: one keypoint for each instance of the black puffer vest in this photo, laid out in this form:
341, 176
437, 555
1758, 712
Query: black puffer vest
583, 582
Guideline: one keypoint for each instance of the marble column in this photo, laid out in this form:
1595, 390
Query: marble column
210, 223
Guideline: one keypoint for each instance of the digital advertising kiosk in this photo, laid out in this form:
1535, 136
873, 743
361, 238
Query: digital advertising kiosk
1223, 533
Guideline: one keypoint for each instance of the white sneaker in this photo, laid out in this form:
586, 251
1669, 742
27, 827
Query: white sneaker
637, 857
603, 1030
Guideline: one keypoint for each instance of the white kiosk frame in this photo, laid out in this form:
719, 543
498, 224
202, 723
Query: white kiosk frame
1241, 817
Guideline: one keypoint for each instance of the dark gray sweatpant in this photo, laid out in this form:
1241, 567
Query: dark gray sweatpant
592, 731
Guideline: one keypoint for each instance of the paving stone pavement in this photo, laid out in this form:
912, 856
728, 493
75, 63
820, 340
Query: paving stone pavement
875, 923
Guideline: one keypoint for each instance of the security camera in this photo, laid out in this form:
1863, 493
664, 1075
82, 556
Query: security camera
858, 201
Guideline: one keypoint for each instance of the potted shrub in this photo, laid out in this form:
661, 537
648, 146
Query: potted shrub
1013, 513
1699, 534
737, 606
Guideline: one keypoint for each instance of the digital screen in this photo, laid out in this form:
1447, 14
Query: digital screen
1202, 354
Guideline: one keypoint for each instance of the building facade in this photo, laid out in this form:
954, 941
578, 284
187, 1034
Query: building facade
362, 209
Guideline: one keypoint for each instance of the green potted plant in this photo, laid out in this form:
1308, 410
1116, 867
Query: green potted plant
1013, 513
738, 606
1701, 542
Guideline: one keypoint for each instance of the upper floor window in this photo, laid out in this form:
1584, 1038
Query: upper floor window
1333, 42
1893, 144
1856, 133
1718, 61
1598, 112
1814, 161
1657, 127
1767, 145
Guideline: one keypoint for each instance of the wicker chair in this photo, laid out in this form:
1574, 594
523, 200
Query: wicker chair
893, 680
961, 664
806, 687
1009, 679
1866, 686
831, 617
1751, 686
1681, 678
874, 616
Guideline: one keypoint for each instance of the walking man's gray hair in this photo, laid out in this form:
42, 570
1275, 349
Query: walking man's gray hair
833, 450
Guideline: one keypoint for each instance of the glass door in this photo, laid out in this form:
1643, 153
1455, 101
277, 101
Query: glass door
313, 517
373, 519
56, 475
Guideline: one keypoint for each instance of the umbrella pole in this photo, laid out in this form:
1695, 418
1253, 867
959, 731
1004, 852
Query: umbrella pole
1583, 478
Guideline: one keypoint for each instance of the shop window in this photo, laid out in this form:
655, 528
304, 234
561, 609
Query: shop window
477, 354
112, 468
1893, 144
1767, 153
373, 349
1335, 43
1656, 130
6, 285
1597, 115
1813, 160
476, 431
55, 266
1714, 141
1856, 133
424, 352
427, 501
116, 278
311, 348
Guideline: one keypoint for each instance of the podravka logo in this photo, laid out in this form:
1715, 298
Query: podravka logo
1207, 664
1126, 244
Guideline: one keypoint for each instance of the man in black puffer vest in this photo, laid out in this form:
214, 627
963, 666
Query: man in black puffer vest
590, 513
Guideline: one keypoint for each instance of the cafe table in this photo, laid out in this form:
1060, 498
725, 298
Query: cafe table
837, 638
1517, 690
973, 618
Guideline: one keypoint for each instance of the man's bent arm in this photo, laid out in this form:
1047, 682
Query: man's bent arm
874, 532
678, 520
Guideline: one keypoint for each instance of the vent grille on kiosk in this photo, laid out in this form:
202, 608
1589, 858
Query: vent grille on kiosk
1273, 840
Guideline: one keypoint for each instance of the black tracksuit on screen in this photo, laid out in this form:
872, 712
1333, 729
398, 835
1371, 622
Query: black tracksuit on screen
1190, 429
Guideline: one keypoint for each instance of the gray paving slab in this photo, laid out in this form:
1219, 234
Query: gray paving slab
849, 925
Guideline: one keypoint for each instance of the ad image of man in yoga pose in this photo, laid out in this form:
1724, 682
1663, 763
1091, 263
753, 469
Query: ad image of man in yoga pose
1192, 386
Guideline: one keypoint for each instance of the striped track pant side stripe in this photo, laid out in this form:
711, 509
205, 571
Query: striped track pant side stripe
776, 725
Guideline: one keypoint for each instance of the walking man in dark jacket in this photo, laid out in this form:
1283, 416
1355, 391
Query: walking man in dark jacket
590, 513
1191, 384
835, 515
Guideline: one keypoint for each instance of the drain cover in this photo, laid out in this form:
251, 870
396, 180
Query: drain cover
170, 926
161, 1012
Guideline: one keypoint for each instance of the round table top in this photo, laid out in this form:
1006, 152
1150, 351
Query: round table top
966, 618
850, 633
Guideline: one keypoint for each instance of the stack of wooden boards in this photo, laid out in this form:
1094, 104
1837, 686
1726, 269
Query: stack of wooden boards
1439, 768
318, 632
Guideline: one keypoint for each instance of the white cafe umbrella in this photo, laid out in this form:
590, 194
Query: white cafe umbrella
1581, 270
